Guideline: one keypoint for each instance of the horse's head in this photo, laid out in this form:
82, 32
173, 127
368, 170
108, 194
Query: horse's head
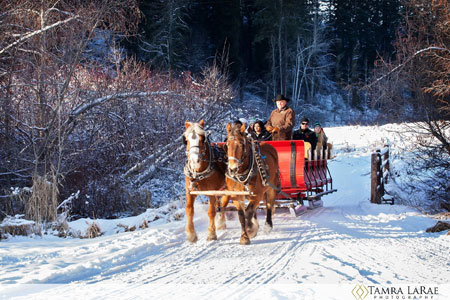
195, 138
236, 147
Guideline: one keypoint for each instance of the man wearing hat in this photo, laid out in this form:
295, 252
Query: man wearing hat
281, 120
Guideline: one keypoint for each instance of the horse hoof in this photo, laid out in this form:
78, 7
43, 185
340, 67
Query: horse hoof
245, 241
192, 237
252, 232
267, 228
211, 237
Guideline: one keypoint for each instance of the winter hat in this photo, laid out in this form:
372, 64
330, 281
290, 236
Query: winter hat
317, 124
243, 120
281, 97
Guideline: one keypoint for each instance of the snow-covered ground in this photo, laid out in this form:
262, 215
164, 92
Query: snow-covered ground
322, 254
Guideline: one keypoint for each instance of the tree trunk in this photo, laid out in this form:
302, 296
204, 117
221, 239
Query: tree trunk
274, 79
280, 46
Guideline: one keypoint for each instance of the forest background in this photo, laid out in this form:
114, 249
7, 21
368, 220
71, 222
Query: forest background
94, 94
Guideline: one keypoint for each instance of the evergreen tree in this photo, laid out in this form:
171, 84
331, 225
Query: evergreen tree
165, 31
216, 27
311, 72
226, 24
361, 30
279, 23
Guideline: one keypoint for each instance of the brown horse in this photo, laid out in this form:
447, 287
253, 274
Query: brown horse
245, 174
204, 171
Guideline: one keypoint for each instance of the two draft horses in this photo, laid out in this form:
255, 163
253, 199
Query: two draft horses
243, 168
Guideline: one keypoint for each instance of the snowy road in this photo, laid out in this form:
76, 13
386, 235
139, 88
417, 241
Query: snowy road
347, 241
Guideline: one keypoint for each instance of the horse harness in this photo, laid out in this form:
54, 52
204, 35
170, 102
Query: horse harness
215, 155
245, 177
255, 159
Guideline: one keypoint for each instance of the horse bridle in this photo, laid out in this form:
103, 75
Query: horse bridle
245, 176
202, 151
239, 161
197, 176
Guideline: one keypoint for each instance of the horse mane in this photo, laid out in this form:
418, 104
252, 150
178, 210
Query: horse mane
195, 127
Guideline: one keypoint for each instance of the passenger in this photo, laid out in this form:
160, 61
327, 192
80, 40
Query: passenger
306, 134
260, 133
282, 120
322, 139
250, 129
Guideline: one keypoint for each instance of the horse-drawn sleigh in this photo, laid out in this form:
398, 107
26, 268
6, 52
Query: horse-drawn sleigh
276, 173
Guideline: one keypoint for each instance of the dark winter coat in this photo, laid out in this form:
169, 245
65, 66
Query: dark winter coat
307, 135
263, 136
284, 120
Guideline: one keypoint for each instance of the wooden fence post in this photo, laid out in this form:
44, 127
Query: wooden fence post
374, 198
380, 180
379, 176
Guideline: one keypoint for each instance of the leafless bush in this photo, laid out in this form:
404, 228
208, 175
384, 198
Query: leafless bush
42, 45
62, 228
126, 227
17, 226
42, 203
92, 231
144, 224
14, 230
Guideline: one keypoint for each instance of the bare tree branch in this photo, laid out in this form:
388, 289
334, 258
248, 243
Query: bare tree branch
398, 67
104, 99
31, 34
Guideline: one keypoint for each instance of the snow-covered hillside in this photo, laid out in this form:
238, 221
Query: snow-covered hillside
322, 254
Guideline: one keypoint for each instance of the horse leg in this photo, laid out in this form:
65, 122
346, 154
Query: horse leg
252, 225
239, 203
270, 205
221, 223
191, 236
212, 215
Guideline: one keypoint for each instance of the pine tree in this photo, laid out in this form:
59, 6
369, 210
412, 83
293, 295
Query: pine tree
165, 32
362, 29
279, 23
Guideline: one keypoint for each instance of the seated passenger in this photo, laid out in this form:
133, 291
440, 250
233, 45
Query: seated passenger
281, 120
260, 133
251, 125
322, 139
305, 134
